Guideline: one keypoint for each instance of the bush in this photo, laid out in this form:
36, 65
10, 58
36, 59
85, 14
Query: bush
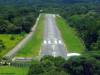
12, 38
2, 46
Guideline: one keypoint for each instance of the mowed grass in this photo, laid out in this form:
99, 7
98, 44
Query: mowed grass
8, 70
32, 47
72, 42
9, 44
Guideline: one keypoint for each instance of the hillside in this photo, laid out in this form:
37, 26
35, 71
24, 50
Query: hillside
32, 2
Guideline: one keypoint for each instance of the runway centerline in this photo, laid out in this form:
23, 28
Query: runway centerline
52, 41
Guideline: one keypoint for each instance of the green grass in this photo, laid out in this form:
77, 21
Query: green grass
6, 38
8, 70
72, 42
32, 47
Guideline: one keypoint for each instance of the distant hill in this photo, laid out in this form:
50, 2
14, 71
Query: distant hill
28, 2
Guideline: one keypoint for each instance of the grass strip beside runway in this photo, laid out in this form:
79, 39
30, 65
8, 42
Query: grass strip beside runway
72, 42
32, 47
8, 70
9, 41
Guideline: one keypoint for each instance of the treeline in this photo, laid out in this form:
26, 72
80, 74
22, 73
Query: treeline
85, 18
87, 64
88, 27
14, 20
30, 2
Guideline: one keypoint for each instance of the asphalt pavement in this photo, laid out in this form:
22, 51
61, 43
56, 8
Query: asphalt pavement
52, 41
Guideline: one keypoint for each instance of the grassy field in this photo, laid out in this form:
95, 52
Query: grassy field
8, 70
8, 42
32, 47
72, 41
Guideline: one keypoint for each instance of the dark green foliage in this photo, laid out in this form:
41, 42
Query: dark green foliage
87, 64
48, 66
16, 20
82, 66
85, 18
38, 2
88, 28
12, 38
2, 46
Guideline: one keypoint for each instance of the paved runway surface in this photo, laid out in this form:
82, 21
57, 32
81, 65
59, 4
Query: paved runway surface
52, 42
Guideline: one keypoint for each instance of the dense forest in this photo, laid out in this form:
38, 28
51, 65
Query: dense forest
16, 20
17, 16
28, 2
88, 64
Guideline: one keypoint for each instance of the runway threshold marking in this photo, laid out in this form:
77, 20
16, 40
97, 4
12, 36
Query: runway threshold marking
54, 54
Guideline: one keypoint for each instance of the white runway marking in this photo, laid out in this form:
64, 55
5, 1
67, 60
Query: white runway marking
53, 46
73, 54
60, 42
45, 42
54, 54
55, 41
49, 42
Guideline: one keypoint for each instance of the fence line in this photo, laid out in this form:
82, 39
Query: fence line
20, 64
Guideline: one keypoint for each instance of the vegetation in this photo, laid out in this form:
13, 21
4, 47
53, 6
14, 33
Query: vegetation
86, 22
16, 21
7, 43
82, 16
8, 70
72, 41
88, 28
44, 2
47, 65
32, 47
58, 66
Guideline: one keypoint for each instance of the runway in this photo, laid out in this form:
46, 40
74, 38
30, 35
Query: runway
52, 41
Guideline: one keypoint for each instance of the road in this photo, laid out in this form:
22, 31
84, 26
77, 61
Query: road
52, 41
18, 47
